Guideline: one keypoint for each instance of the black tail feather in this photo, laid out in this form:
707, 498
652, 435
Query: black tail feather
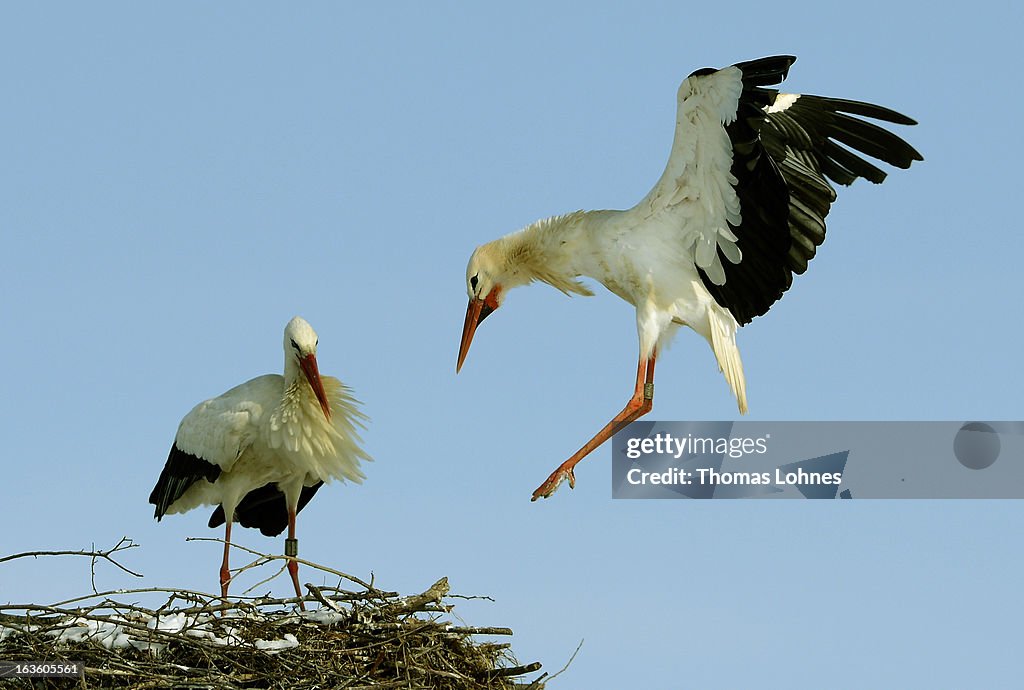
265, 508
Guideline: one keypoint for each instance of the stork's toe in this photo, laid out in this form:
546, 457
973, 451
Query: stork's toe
552, 483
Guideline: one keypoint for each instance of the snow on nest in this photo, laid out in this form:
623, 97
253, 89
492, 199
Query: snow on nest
8, 630
324, 616
275, 646
108, 633
113, 633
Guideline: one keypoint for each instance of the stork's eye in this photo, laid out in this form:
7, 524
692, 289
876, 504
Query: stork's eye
295, 345
473, 281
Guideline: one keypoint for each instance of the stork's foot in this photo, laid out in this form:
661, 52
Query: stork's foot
552, 483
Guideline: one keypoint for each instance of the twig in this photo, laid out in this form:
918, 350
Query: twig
301, 561
538, 682
259, 561
319, 596
122, 545
515, 671
578, 647
468, 630
435, 594
180, 593
471, 597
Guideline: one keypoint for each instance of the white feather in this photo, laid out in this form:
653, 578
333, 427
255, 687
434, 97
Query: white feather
783, 101
696, 191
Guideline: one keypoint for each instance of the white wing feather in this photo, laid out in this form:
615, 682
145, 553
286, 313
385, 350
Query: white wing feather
697, 187
219, 430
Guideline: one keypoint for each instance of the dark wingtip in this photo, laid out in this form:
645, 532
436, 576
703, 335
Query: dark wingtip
759, 72
767, 70
702, 72
877, 112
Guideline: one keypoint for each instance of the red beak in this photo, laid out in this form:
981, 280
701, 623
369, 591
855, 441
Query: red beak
309, 368
476, 312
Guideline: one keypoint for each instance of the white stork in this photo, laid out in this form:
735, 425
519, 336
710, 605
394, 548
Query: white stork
262, 450
740, 208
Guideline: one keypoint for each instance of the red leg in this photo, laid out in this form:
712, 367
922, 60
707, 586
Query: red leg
225, 572
639, 405
291, 549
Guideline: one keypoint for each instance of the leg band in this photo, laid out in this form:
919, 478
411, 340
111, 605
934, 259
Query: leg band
291, 547
648, 391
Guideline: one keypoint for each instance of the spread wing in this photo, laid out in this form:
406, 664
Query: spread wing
212, 437
751, 172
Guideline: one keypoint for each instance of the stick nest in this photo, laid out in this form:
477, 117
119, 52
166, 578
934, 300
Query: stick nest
356, 639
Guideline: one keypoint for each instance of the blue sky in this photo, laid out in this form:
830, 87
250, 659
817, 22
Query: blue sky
179, 180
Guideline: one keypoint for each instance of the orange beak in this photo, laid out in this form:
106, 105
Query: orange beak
476, 312
309, 368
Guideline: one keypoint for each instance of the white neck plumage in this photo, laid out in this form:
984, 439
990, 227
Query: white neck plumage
549, 250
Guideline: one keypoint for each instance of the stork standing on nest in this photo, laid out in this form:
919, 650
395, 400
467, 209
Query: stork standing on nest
740, 208
262, 450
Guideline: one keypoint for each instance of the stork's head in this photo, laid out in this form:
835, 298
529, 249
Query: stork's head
539, 251
487, 279
300, 343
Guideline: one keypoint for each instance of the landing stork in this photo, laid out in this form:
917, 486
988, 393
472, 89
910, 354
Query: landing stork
262, 450
739, 209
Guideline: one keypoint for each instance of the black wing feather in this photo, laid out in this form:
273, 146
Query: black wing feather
783, 162
265, 508
766, 71
181, 472
761, 277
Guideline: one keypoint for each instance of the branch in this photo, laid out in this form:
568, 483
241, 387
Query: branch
578, 647
514, 671
434, 595
473, 630
308, 564
319, 596
107, 555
